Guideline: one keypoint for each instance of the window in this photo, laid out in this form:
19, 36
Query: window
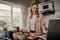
7, 17
5, 7
16, 16
5, 14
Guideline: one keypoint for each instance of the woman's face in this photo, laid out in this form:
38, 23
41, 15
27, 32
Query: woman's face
34, 8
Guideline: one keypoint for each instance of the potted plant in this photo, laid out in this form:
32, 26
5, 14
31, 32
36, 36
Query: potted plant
4, 33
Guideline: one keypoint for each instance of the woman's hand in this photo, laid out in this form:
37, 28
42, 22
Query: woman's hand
31, 35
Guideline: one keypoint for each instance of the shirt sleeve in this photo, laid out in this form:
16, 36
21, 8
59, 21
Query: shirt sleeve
43, 25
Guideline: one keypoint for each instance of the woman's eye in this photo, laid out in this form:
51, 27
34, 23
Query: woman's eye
35, 8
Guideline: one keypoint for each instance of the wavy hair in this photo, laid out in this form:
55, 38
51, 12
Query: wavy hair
37, 14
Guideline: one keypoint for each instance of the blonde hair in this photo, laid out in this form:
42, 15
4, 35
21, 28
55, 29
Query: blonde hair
37, 14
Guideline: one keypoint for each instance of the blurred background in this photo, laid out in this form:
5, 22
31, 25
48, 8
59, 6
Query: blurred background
14, 12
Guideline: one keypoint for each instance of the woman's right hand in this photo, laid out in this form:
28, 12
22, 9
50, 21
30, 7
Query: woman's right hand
32, 35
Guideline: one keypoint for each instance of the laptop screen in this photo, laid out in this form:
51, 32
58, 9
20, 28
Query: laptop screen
54, 30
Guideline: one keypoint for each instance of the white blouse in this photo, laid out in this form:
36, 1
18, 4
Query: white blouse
32, 22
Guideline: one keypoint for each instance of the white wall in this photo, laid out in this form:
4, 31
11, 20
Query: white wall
57, 12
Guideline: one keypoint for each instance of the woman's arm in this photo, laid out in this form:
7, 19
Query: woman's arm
43, 25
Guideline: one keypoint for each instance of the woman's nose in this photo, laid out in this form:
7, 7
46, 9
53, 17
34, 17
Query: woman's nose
35, 9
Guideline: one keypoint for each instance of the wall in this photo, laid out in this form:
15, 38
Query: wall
57, 12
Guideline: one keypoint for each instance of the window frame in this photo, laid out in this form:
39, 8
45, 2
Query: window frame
10, 4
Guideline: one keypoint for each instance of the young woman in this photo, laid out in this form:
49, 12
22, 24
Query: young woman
35, 22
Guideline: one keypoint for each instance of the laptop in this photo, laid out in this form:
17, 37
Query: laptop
53, 30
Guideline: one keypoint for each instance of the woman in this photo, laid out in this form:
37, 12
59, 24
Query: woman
35, 22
